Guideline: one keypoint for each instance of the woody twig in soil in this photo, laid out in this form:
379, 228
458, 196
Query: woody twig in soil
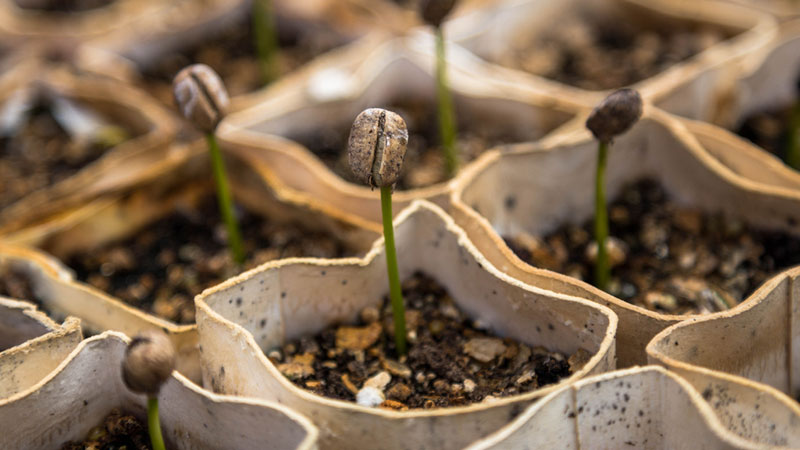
376, 149
149, 361
613, 116
203, 100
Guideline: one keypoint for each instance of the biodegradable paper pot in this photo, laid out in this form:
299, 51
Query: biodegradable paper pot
691, 88
79, 394
758, 340
374, 72
515, 192
291, 298
54, 284
184, 180
31, 345
643, 407
118, 167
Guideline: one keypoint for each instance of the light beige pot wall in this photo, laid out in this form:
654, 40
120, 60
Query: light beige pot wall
533, 176
758, 340
32, 345
331, 91
692, 88
642, 407
79, 394
287, 299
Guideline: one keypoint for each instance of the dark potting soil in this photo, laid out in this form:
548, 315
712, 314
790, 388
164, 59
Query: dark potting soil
231, 53
768, 130
16, 285
451, 359
424, 163
669, 258
165, 265
118, 431
594, 55
62, 6
42, 153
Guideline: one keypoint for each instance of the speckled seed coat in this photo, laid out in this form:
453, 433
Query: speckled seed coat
200, 96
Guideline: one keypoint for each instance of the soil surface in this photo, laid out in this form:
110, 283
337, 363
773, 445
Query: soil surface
768, 130
166, 264
594, 55
42, 153
230, 51
451, 359
66, 6
118, 431
668, 258
15, 285
424, 163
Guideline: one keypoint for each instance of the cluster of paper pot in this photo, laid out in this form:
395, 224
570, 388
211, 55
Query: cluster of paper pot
725, 380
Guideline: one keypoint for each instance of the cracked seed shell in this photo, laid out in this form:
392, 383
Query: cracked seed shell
434, 12
377, 147
200, 96
149, 361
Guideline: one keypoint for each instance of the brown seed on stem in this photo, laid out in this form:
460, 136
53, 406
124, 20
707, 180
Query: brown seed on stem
434, 12
377, 147
615, 114
201, 96
149, 361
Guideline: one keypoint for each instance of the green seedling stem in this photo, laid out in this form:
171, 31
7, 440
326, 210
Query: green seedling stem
792, 144
153, 424
266, 40
395, 293
225, 201
447, 126
602, 272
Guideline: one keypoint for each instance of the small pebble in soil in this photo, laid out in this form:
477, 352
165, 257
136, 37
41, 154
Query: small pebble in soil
596, 54
118, 430
669, 258
167, 263
457, 365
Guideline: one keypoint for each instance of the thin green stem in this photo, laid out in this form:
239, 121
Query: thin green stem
266, 40
447, 117
225, 201
792, 157
395, 293
602, 272
153, 424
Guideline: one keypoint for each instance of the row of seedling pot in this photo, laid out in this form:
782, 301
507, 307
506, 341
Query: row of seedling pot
377, 143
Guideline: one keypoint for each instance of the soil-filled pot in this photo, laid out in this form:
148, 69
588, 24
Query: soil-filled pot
642, 407
85, 389
678, 54
31, 345
300, 129
67, 138
280, 302
757, 340
528, 195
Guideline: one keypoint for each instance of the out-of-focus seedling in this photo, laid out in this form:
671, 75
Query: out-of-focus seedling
266, 40
433, 12
203, 100
613, 116
149, 361
376, 149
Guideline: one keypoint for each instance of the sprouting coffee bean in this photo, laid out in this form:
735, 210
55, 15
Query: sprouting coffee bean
377, 147
615, 114
200, 96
